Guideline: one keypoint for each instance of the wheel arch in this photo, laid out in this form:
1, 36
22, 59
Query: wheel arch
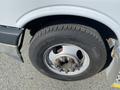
70, 11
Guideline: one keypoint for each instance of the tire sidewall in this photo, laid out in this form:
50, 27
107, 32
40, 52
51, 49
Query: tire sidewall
81, 39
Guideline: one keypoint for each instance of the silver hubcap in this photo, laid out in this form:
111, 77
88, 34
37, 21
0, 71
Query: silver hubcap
66, 59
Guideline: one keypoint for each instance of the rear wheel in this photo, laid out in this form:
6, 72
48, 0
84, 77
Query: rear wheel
68, 51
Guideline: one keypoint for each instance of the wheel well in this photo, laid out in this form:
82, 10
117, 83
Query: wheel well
40, 23
104, 30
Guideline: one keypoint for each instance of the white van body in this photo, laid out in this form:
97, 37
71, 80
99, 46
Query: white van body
17, 13
13, 11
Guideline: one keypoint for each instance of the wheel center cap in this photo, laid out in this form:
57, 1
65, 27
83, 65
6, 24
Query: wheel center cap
66, 63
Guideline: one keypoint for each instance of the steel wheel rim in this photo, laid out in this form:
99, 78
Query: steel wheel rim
67, 60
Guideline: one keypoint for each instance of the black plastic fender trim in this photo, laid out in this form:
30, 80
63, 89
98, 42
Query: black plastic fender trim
11, 39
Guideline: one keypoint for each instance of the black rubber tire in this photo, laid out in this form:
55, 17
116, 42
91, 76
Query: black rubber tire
85, 37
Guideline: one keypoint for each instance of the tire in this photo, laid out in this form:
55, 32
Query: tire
82, 36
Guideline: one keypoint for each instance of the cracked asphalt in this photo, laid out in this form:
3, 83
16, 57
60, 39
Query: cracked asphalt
15, 75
